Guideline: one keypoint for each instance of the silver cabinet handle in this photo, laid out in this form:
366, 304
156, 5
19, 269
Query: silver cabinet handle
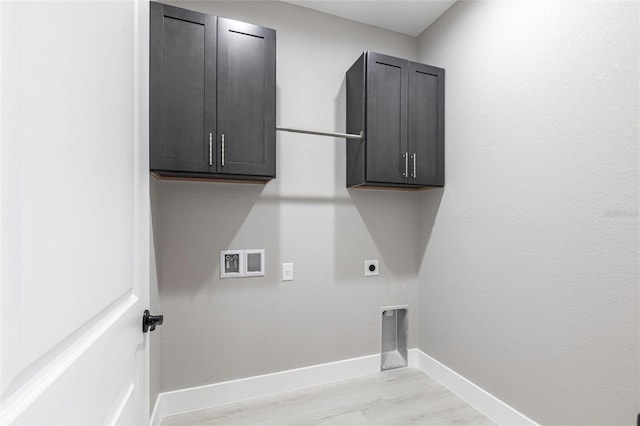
223, 150
405, 156
414, 165
211, 149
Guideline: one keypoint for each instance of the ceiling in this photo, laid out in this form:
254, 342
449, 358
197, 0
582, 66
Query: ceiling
407, 17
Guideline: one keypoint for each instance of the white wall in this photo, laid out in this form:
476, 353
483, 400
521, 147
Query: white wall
217, 330
529, 278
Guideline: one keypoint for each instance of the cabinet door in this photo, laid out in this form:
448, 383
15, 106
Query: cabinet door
246, 99
426, 125
182, 89
386, 134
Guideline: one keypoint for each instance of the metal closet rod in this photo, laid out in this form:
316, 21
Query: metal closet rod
315, 132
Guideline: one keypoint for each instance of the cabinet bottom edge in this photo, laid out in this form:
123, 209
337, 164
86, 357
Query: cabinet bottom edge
189, 177
392, 187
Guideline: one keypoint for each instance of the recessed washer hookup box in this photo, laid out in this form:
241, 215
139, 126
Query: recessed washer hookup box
394, 352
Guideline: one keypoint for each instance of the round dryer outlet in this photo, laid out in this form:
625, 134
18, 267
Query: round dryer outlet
371, 268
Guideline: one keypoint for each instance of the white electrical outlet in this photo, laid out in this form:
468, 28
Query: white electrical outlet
371, 268
287, 272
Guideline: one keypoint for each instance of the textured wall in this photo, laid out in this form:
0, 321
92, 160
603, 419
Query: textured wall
529, 267
217, 330
154, 296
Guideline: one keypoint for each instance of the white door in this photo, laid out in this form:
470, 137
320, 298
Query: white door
73, 212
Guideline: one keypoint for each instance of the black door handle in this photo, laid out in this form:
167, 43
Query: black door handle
149, 321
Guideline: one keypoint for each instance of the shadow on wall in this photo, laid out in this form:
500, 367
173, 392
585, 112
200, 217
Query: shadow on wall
341, 151
197, 220
428, 206
390, 219
154, 298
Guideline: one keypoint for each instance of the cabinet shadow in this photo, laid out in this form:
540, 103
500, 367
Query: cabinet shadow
194, 221
428, 206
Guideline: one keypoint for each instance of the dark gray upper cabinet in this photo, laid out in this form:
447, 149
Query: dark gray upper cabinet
181, 100
212, 97
247, 97
400, 106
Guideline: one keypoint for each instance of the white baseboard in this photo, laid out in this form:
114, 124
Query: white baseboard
198, 398
191, 399
482, 400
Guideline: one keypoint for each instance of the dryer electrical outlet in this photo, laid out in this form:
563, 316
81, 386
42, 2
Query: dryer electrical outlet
371, 268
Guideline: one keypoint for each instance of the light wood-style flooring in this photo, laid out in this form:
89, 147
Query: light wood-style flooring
404, 396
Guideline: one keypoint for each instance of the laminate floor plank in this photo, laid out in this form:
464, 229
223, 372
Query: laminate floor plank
404, 396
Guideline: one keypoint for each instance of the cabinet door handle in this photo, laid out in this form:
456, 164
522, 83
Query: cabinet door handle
223, 150
211, 149
414, 165
405, 157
